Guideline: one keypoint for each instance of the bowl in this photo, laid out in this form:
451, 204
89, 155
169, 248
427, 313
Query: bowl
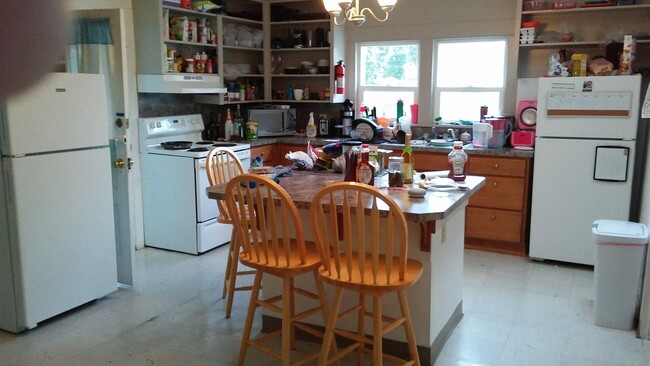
306, 64
312, 70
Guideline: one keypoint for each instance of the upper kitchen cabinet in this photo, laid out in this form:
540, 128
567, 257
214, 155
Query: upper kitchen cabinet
176, 49
595, 29
241, 47
304, 46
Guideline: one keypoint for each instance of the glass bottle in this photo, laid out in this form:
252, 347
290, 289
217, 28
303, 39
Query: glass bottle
457, 161
395, 171
365, 171
407, 154
228, 131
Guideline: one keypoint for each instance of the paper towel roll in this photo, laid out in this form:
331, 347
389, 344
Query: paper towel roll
433, 174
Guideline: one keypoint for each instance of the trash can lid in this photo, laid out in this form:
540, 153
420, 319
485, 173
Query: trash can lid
621, 232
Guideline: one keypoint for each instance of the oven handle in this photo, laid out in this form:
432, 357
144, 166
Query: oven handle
244, 157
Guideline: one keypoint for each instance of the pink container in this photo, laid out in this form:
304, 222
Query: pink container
414, 113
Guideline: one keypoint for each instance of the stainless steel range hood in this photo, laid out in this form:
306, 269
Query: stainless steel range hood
181, 84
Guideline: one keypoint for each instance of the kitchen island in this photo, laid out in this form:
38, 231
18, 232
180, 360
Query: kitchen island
436, 225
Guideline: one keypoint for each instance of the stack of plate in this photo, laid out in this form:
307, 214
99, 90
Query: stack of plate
440, 143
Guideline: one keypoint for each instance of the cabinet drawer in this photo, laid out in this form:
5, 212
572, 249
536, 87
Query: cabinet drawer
500, 192
497, 166
266, 152
491, 224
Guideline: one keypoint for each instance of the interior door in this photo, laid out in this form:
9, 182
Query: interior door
120, 137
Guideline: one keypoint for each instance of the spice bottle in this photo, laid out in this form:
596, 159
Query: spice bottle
395, 174
457, 161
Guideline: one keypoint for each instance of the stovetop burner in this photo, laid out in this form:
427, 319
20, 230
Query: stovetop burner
198, 149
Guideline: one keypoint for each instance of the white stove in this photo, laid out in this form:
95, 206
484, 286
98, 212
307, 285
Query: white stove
178, 215
179, 136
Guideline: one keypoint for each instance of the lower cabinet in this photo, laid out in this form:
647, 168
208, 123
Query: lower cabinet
497, 215
266, 152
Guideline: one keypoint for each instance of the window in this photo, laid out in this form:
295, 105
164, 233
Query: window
470, 74
388, 71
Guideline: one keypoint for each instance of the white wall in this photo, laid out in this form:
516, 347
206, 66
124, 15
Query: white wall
428, 20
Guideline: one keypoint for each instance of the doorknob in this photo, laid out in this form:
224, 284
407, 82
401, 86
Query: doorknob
119, 163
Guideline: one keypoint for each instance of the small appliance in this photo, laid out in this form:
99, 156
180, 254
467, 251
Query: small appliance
347, 117
527, 115
366, 130
277, 120
526, 124
501, 130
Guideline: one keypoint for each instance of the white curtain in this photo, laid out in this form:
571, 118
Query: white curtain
91, 52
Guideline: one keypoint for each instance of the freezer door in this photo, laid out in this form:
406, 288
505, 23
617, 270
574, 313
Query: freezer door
61, 230
64, 111
566, 199
588, 107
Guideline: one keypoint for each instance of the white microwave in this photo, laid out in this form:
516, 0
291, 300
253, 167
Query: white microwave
273, 121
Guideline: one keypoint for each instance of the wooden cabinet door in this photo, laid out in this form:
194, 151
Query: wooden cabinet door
266, 152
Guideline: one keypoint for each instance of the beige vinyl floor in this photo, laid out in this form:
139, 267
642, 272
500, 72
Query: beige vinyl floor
516, 312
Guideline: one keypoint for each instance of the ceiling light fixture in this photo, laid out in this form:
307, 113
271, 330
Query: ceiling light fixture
354, 13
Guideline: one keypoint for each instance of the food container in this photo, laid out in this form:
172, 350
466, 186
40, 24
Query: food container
251, 130
563, 4
529, 5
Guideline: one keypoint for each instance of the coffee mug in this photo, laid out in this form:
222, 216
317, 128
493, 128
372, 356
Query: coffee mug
298, 94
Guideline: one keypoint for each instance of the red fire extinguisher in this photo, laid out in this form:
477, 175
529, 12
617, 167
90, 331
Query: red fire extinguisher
339, 74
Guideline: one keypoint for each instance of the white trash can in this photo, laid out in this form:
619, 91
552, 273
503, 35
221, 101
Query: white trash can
620, 258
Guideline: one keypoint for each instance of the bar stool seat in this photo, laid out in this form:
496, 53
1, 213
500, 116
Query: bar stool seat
222, 164
272, 242
364, 251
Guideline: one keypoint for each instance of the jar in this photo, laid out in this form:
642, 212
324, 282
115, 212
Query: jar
395, 171
251, 130
189, 65
169, 64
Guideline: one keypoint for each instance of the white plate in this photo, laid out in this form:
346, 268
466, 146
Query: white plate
524, 148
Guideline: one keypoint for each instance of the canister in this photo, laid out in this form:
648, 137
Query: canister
251, 130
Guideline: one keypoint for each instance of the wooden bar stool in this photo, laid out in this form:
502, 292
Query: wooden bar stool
272, 242
221, 165
364, 251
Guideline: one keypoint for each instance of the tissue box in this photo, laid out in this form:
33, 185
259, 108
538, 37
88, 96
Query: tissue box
627, 57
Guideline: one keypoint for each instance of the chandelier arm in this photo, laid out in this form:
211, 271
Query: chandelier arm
368, 10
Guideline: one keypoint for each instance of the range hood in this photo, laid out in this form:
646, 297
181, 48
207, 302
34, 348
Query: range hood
181, 84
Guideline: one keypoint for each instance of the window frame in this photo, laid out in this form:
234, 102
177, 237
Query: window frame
438, 90
360, 89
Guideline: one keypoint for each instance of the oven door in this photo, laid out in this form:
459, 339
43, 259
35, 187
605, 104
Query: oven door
207, 208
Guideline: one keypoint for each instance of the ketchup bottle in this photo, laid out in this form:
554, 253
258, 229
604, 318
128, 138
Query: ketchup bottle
457, 162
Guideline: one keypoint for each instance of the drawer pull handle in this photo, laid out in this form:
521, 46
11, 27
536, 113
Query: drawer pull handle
494, 184
493, 217
496, 165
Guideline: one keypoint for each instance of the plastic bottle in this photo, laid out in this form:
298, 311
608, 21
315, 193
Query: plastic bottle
365, 171
457, 161
229, 128
400, 108
311, 130
407, 154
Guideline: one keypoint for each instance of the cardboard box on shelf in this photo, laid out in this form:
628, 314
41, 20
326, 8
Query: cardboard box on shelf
627, 56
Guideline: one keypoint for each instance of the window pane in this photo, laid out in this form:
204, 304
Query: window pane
466, 106
389, 65
475, 64
386, 102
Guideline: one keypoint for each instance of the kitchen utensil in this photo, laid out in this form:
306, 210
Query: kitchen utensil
298, 94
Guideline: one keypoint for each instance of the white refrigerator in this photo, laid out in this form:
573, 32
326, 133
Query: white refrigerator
57, 237
584, 159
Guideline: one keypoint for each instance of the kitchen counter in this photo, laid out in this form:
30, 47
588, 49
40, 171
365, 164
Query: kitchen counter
302, 141
438, 219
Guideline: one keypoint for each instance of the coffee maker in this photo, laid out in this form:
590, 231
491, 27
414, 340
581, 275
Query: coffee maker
347, 116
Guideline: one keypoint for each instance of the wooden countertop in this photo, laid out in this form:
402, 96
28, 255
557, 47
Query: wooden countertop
303, 185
